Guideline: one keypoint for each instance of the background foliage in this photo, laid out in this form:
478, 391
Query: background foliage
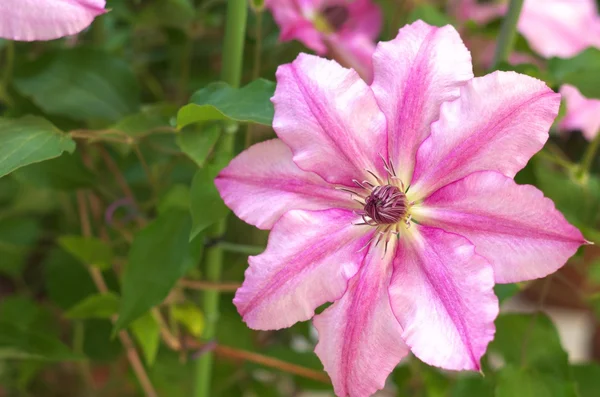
109, 142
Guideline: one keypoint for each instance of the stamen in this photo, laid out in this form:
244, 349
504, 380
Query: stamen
357, 183
350, 191
375, 176
336, 16
386, 205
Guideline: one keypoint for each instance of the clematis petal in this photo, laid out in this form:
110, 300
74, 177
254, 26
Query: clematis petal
497, 124
310, 257
582, 113
359, 338
29, 20
329, 118
514, 227
560, 28
293, 19
414, 73
481, 13
442, 295
364, 18
353, 51
263, 182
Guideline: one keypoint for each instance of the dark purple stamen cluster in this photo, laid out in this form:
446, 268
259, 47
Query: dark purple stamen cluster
336, 16
386, 205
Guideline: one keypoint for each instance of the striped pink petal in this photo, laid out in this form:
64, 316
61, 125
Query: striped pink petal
415, 73
360, 341
582, 113
442, 295
514, 227
310, 257
329, 118
29, 20
497, 124
262, 183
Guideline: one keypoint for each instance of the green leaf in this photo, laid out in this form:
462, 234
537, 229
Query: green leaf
30, 140
190, 316
178, 197
17, 235
170, 378
594, 302
219, 101
147, 332
25, 312
506, 291
429, 14
150, 119
157, 259
27, 332
98, 344
88, 250
580, 71
532, 341
21, 342
472, 385
207, 206
66, 280
66, 172
80, 83
95, 306
177, 14
594, 272
587, 377
526, 382
578, 201
197, 143
435, 382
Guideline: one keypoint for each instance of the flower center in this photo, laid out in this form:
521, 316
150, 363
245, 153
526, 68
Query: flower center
336, 16
331, 19
386, 205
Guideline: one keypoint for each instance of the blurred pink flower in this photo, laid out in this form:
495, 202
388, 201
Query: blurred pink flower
582, 113
560, 28
402, 221
29, 20
343, 29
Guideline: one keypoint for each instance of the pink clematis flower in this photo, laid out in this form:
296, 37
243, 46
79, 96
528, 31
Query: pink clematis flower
582, 113
560, 28
344, 29
396, 201
29, 20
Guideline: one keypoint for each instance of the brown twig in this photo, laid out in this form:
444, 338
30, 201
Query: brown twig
206, 285
145, 166
131, 352
165, 332
167, 336
114, 169
267, 361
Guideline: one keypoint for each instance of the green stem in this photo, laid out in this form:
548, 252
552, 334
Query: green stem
257, 45
9, 63
99, 31
241, 248
256, 68
233, 50
84, 366
508, 32
589, 156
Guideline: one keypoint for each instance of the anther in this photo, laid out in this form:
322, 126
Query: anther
386, 205
336, 16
